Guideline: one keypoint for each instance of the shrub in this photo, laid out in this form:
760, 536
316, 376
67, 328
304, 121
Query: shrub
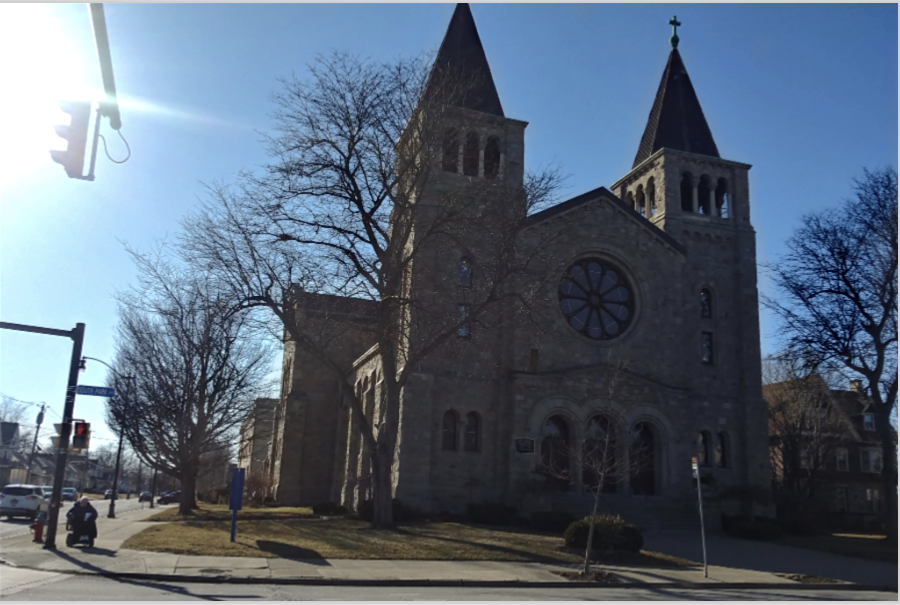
555, 521
329, 509
610, 533
757, 529
366, 510
491, 513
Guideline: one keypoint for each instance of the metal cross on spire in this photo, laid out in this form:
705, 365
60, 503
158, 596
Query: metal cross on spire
674, 23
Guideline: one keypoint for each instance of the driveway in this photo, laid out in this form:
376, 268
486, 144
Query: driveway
764, 556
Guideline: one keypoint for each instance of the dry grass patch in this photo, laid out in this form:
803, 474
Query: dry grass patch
353, 539
220, 512
864, 546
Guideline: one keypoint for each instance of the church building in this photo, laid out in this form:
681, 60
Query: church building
648, 332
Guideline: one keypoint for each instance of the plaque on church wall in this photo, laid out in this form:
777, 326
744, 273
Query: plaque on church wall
525, 446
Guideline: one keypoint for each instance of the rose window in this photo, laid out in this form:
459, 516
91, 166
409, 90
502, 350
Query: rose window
595, 299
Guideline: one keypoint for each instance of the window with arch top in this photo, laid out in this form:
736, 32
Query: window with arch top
492, 158
703, 458
470, 155
706, 303
448, 430
471, 436
465, 272
723, 453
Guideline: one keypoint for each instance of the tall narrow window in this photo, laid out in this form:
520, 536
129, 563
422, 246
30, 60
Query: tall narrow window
450, 159
723, 453
722, 198
640, 201
703, 458
465, 272
651, 196
471, 434
703, 190
533, 361
448, 432
869, 422
464, 329
492, 158
705, 303
706, 348
842, 459
470, 155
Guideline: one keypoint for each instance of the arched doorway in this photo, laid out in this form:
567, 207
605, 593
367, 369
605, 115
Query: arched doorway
642, 458
555, 450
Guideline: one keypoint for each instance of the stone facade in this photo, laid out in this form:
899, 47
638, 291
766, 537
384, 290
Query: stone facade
478, 416
256, 435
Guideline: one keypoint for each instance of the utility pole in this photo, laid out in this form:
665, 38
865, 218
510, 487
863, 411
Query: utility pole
40, 420
115, 489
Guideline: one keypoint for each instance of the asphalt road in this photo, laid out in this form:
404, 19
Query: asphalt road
27, 585
20, 526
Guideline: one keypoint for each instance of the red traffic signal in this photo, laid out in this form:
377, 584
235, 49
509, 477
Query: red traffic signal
81, 435
76, 134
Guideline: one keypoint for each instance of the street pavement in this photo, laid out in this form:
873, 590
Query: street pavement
10, 528
109, 560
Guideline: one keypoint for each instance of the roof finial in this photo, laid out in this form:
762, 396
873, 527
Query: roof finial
674, 23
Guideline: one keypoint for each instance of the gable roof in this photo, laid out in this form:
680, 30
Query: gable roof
461, 58
597, 193
676, 120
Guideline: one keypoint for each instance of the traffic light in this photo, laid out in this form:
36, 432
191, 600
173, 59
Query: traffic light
81, 436
76, 133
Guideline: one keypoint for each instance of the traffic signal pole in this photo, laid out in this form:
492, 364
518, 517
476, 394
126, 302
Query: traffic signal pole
77, 335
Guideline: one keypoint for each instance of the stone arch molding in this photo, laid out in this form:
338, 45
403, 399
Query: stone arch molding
580, 412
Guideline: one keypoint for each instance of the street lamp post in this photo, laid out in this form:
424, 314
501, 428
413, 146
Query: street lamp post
115, 489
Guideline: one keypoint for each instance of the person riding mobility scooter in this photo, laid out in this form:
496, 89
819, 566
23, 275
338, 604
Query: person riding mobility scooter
82, 521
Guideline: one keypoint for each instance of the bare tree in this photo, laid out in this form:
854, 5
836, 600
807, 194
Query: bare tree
805, 428
346, 209
599, 455
194, 371
837, 301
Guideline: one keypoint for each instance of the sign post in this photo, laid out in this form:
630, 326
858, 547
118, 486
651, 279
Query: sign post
236, 501
696, 471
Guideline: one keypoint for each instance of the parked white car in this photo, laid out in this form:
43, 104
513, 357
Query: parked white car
20, 500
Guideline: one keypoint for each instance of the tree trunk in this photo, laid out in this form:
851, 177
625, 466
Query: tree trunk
383, 458
590, 538
188, 493
383, 517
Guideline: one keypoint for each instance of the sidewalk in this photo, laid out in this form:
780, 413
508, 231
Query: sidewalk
108, 558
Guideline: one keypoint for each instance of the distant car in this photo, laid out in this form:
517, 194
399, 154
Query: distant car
145, 497
108, 494
169, 498
21, 500
69, 493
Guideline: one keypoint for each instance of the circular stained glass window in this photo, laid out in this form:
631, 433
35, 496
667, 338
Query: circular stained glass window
595, 299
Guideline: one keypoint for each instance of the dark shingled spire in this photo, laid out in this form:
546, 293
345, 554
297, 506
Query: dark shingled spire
676, 120
462, 56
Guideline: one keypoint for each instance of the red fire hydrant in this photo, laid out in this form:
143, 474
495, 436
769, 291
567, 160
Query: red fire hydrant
38, 527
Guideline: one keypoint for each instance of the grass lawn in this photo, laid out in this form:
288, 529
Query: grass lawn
220, 512
299, 538
864, 546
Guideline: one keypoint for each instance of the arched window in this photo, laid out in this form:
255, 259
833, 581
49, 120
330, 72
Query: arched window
703, 196
723, 454
599, 454
492, 158
450, 157
465, 272
640, 201
448, 430
722, 199
629, 200
642, 456
703, 458
651, 196
470, 155
706, 303
706, 348
555, 450
687, 192
471, 434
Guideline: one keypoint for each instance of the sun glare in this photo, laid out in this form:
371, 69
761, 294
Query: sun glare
41, 66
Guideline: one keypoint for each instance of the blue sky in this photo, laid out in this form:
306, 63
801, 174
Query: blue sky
806, 93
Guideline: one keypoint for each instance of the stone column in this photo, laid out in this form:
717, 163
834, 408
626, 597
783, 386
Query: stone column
695, 200
712, 203
481, 163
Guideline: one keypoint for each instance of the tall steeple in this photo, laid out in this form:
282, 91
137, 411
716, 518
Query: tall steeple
676, 119
461, 58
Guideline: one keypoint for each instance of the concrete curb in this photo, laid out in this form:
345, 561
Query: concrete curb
359, 582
